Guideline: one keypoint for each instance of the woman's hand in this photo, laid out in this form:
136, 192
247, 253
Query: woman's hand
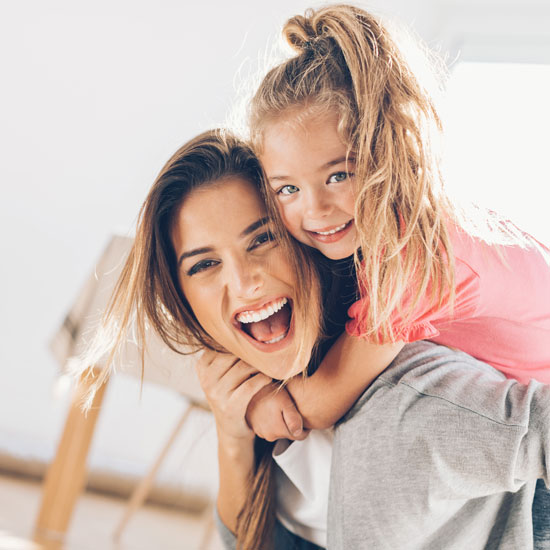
229, 385
273, 415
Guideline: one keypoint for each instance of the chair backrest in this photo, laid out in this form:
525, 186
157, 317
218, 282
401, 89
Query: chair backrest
162, 365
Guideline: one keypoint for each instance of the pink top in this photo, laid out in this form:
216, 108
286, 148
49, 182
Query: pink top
501, 313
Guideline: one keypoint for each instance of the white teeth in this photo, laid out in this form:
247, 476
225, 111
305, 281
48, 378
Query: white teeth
260, 315
276, 339
332, 231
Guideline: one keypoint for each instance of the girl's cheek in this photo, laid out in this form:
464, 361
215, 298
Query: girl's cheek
292, 218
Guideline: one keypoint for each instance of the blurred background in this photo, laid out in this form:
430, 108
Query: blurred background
95, 97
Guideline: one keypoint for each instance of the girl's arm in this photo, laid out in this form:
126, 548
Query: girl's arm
345, 372
229, 385
347, 369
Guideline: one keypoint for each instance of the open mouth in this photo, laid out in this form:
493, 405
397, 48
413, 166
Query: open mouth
269, 324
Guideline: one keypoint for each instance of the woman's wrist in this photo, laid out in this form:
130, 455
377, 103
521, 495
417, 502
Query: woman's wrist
236, 467
236, 448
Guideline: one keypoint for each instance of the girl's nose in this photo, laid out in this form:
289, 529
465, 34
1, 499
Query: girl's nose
317, 204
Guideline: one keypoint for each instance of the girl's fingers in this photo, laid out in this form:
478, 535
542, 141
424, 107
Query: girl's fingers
291, 416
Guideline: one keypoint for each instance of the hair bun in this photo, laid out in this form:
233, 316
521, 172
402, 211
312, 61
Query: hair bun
301, 33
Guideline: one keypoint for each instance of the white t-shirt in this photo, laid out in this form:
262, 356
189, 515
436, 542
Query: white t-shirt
302, 478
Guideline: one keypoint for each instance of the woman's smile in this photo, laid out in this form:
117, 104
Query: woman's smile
270, 327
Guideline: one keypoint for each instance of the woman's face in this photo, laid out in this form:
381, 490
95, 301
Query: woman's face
235, 276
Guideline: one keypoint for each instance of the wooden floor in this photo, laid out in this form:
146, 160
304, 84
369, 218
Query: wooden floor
94, 521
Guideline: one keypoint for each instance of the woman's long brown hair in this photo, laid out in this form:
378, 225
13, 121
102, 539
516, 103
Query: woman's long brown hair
148, 297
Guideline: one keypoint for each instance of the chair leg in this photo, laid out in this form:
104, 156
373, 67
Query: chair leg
144, 486
66, 475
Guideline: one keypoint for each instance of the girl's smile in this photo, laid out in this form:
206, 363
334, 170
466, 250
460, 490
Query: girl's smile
332, 235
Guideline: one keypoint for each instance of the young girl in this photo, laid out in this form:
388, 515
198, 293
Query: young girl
342, 129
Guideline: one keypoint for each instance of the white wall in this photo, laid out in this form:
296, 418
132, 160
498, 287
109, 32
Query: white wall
94, 98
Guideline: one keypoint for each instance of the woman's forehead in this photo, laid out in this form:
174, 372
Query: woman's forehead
225, 208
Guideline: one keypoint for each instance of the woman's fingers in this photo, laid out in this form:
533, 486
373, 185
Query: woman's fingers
212, 369
211, 365
250, 387
229, 384
232, 404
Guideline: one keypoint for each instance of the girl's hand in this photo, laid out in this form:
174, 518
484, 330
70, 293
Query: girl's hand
229, 384
273, 415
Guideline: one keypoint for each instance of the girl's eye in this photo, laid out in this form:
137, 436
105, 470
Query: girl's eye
262, 238
202, 266
287, 190
338, 177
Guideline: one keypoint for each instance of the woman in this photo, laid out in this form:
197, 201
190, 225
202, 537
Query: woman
175, 273
210, 269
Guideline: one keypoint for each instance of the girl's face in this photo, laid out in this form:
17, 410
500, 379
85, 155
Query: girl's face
310, 171
234, 275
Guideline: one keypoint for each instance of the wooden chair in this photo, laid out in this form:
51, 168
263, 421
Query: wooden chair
66, 475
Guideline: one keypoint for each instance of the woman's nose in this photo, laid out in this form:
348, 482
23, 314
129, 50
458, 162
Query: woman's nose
245, 278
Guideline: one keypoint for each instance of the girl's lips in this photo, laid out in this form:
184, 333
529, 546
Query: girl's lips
334, 237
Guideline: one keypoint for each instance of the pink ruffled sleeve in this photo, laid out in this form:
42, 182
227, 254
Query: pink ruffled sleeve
426, 318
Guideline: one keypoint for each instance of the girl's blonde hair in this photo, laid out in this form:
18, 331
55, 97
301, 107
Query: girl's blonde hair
148, 295
347, 61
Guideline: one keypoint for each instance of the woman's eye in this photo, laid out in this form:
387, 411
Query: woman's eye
262, 238
287, 190
201, 266
338, 177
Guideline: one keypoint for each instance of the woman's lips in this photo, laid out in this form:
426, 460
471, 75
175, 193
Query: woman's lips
278, 341
276, 346
330, 236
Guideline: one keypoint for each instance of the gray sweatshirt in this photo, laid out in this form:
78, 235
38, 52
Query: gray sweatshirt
440, 452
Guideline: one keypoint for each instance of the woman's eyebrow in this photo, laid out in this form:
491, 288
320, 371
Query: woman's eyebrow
194, 252
206, 249
253, 226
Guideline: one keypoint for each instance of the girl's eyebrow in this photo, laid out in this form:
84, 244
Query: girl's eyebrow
206, 249
329, 164
339, 160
